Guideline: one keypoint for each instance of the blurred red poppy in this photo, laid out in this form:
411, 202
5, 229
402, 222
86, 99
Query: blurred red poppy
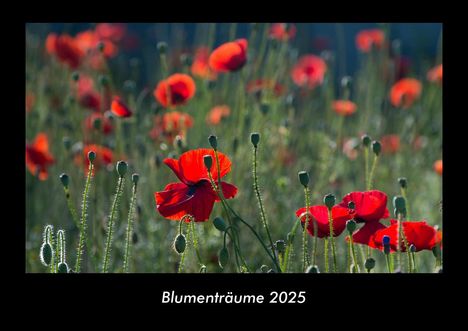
366, 39
181, 88
217, 113
319, 216
66, 50
87, 96
405, 92
200, 67
282, 31
38, 157
111, 31
50, 43
390, 143
419, 234
230, 56
344, 107
309, 71
435, 74
438, 167
170, 125
89, 40
194, 194
119, 108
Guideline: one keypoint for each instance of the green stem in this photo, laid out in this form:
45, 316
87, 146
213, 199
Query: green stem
366, 166
128, 237
305, 249
332, 240
325, 254
371, 175
84, 215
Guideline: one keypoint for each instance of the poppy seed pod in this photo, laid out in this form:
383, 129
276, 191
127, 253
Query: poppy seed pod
46, 254
351, 205
376, 147
223, 257
97, 122
351, 226
329, 200
62, 268
180, 243
403, 182
280, 246
162, 47
399, 204
255, 138
135, 178
366, 140
122, 168
369, 264
208, 161
412, 248
303, 178
219, 224
264, 108
75, 76
91, 156
213, 140
312, 269
64, 179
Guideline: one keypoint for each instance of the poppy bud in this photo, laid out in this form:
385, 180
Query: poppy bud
180, 243
66, 143
135, 178
400, 205
312, 269
351, 226
351, 205
162, 47
412, 248
211, 84
255, 138
103, 80
346, 82
64, 179
97, 122
303, 178
366, 140
62, 268
280, 246
100, 46
213, 141
369, 264
219, 224
75, 76
122, 168
376, 147
178, 142
403, 182
329, 200
223, 257
46, 254
91, 156
386, 240
264, 268
264, 108
208, 161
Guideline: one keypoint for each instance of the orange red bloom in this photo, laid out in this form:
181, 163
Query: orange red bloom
438, 167
119, 108
344, 107
170, 125
405, 92
229, 57
87, 96
390, 143
200, 67
435, 74
282, 31
309, 71
180, 87
193, 195
38, 157
217, 113
65, 49
366, 39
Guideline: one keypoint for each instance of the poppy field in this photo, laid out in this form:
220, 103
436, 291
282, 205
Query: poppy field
232, 148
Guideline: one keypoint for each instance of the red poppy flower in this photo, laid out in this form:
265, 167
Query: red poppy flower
104, 157
65, 49
230, 56
309, 71
180, 86
366, 39
282, 31
50, 43
405, 92
258, 85
435, 74
87, 96
106, 124
38, 157
170, 125
194, 194
344, 107
419, 234
364, 235
217, 113
119, 108
370, 206
438, 167
111, 31
390, 143
89, 40
319, 216
200, 67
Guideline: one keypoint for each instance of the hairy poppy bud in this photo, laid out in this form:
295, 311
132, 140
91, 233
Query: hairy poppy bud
91, 156
219, 224
62, 268
366, 140
264, 108
351, 205
403, 182
280, 246
223, 257
255, 138
75, 76
122, 168
46, 254
162, 47
213, 141
412, 248
329, 200
369, 264
208, 161
303, 178
351, 226
180, 243
376, 147
97, 122
178, 142
103, 80
135, 178
312, 269
400, 205
264, 268
64, 179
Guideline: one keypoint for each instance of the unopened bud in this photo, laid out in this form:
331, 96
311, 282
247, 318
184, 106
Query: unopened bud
122, 168
303, 178
403, 182
366, 140
208, 161
162, 47
376, 147
64, 179
62, 268
329, 200
351, 226
46, 254
223, 257
369, 264
255, 138
91, 156
280, 246
213, 140
312, 269
219, 224
180, 243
